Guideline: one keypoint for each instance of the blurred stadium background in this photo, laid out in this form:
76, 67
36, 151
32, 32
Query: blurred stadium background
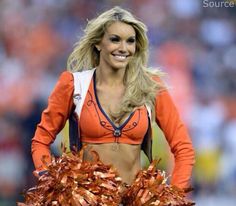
194, 41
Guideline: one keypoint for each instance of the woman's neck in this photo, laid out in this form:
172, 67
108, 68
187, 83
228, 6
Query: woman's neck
108, 77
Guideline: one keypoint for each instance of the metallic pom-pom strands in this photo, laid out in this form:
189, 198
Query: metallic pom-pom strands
70, 181
150, 188
73, 182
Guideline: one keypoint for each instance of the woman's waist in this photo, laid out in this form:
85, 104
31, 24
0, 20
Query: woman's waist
120, 154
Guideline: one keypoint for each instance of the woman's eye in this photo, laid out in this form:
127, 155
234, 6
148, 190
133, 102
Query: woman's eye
114, 39
131, 40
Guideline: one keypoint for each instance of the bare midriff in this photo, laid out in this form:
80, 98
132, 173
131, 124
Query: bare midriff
124, 157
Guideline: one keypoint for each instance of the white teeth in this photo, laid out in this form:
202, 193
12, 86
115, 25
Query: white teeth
120, 57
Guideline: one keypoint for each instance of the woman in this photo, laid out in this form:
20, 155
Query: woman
114, 117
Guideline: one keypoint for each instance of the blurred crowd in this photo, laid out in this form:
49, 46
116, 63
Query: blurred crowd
194, 45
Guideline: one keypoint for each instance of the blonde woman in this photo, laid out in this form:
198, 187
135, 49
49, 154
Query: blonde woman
114, 118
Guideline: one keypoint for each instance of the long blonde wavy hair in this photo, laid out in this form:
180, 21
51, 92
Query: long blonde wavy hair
140, 87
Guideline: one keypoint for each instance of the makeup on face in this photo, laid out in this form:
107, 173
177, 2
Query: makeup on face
117, 45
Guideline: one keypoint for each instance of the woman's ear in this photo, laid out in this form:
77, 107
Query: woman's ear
98, 47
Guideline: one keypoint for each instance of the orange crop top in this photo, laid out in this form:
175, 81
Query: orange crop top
59, 107
96, 126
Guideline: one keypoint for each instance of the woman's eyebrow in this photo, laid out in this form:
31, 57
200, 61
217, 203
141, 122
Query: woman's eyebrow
116, 35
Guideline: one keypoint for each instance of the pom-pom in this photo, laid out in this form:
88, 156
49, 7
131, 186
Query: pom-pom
150, 188
71, 181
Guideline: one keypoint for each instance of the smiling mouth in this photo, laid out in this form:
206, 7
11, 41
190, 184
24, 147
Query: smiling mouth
120, 57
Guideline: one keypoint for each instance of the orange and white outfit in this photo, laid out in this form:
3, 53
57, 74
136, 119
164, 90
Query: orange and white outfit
96, 127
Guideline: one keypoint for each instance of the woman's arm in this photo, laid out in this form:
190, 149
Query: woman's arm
176, 134
53, 119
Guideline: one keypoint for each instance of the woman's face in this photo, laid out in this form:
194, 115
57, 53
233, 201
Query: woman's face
117, 46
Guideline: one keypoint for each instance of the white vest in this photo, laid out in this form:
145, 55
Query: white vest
81, 84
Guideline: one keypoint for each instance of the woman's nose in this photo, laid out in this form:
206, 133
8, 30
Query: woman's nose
123, 47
